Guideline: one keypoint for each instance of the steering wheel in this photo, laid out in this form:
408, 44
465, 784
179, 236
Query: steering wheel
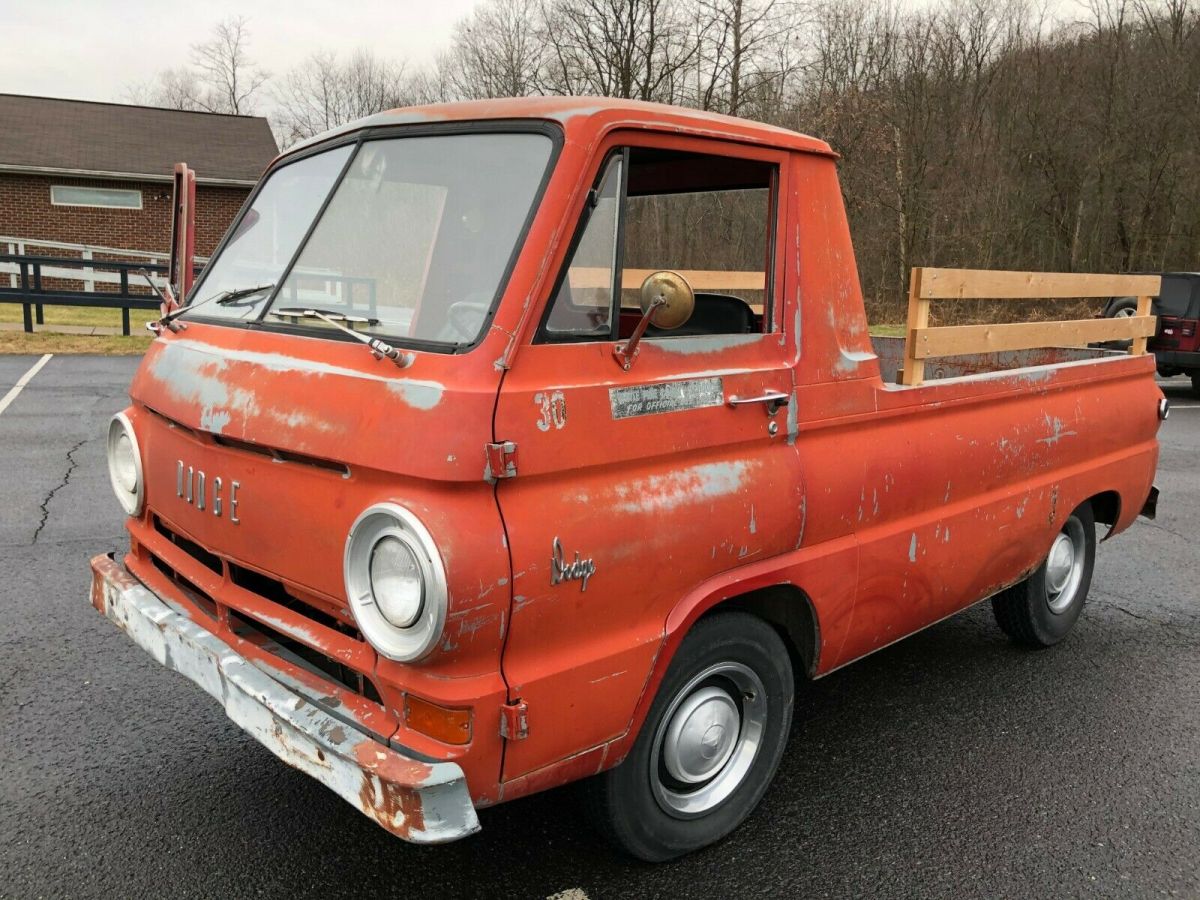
463, 319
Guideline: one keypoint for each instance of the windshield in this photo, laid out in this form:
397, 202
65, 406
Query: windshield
266, 237
416, 237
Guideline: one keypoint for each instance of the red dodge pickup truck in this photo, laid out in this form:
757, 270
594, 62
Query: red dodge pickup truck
510, 443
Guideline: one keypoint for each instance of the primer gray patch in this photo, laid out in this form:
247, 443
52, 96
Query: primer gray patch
672, 396
421, 394
708, 343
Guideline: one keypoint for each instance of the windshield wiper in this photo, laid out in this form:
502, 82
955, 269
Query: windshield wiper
378, 348
229, 297
174, 311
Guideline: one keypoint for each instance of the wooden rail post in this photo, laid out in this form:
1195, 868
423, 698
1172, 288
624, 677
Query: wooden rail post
1139, 343
918, 317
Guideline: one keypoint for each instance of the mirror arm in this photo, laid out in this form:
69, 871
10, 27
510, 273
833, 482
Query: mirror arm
625, 353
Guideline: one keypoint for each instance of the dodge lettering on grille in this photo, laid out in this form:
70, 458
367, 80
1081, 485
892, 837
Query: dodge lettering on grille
192, 485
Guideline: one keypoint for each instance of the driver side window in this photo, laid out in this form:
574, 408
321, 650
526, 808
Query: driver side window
708, 218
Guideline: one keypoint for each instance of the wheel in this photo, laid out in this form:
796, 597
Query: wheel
1040, 611
709, 746
1196, 384
1123, 309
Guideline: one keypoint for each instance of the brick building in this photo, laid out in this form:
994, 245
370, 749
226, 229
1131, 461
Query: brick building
100, 174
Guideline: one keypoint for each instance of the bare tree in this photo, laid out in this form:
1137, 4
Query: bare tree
734, 39
170, 88
496, 51
325, 92
221, 78
231, 79
637, 49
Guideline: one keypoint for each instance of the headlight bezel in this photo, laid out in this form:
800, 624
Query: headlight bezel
374, 524
131, 501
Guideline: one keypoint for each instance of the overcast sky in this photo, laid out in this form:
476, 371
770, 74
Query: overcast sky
92, 49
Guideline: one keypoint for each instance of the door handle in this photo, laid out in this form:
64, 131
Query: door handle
773, 399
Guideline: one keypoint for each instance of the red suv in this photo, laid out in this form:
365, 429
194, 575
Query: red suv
1176, 342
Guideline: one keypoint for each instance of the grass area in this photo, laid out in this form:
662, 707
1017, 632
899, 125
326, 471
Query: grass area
888, 330
82, 315
100, 344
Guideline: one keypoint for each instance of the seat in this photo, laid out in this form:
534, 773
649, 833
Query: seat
714, 314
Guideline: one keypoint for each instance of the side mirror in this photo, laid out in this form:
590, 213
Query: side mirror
668, 299
667, 302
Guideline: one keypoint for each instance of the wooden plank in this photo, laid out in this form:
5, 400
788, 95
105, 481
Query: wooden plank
918, 318
986, 284
958, 340
699, 279
1138, 347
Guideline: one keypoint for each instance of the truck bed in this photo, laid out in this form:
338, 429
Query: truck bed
890, 351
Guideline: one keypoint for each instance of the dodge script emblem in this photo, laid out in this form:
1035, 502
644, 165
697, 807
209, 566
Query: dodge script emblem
201, 492
580, 570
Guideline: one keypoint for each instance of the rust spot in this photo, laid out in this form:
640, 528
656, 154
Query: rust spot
395, 807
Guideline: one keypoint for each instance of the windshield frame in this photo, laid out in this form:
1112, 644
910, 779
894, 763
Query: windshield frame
263, 322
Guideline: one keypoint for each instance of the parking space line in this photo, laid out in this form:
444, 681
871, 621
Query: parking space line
22, 381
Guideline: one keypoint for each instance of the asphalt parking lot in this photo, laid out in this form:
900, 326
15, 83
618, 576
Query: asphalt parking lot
949, 765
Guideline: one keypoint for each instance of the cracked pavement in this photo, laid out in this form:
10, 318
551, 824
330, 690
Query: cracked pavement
948, 765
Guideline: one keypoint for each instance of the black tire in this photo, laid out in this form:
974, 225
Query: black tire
1196, 384
1032, 612
1120, 308
636, 805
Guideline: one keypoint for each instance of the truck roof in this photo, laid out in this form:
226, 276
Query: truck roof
583, 114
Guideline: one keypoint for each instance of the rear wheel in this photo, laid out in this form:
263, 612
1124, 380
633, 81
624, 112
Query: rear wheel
1041, 610
1196, 383
709, 746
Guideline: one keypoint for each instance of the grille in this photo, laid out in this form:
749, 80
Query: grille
244, 626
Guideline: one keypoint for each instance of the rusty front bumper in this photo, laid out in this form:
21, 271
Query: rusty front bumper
422, 802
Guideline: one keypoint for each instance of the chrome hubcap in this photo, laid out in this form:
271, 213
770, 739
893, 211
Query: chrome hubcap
1126, 313
1064, 566
701, 736
706, 742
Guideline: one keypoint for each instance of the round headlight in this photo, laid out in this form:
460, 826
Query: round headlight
395, 582
125, 464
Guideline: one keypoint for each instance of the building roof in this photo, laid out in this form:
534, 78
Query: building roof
594, 114
114, 140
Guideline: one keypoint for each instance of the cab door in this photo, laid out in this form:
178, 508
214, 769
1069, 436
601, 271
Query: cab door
635, 485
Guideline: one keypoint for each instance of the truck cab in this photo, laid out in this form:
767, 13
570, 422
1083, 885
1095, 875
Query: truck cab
510, 443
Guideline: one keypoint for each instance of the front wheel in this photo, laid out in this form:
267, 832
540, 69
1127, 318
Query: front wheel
1196, 384
709, 746
1042, 609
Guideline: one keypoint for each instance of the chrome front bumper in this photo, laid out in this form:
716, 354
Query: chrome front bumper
422, 802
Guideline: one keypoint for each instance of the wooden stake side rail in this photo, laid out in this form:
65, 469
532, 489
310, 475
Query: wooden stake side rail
927, 285
699, 279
